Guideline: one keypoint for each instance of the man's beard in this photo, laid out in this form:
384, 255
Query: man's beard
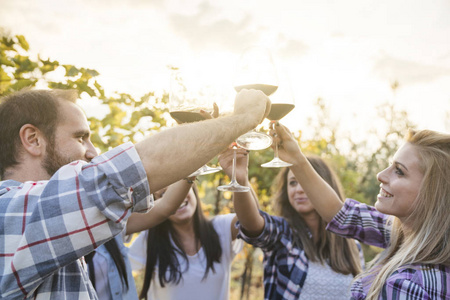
53, 160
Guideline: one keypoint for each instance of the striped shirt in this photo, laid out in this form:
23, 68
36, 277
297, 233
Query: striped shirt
364, 223
285, 265
48, 226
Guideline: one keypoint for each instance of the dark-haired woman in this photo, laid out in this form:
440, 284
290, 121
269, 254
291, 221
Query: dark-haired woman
187, 256
301, 259
109, 267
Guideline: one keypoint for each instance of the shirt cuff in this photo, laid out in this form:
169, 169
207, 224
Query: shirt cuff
124, 170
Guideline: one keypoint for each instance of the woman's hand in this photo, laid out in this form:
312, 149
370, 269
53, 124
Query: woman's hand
324, 199
245, 204
226, 162
288, 148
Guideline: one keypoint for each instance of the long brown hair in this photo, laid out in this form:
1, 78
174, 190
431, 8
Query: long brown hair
340, 253
428, 241
161, 252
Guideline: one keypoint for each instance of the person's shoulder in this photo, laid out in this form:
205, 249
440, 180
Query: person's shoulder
9, 185
9, 188
420, 276
424, 268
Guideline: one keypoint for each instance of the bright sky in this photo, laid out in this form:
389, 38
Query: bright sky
347, 52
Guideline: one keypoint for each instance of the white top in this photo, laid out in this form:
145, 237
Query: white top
108, 283
322, 283
214, 286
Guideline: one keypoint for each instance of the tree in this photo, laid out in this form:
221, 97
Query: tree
126, 118
20, 69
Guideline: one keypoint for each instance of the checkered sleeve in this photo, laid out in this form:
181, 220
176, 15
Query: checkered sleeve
82, 206
361, 222
275, 229
424, 282
400, 286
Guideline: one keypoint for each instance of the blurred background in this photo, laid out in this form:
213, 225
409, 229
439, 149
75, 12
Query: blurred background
361, 73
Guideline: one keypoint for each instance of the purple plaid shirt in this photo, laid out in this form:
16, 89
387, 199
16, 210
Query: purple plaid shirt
285, 266
48, 226
416, 282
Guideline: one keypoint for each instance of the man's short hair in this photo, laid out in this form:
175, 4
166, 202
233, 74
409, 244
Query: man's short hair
35, 107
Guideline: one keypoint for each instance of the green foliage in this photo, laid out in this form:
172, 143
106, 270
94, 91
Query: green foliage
129, 119
126, 119
20, 69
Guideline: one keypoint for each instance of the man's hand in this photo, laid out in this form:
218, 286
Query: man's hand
255, 104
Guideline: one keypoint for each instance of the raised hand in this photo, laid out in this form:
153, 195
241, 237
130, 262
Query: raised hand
253, 103
322, 196
226, 162
288, 148
245, 204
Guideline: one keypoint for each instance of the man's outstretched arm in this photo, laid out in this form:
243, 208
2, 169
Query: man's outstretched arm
175, 153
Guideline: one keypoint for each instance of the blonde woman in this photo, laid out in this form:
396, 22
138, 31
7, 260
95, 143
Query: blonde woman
301, 259
410, 218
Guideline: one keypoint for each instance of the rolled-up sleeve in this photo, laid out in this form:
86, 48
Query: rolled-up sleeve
118, 176
361, 222
275, 230
50, 224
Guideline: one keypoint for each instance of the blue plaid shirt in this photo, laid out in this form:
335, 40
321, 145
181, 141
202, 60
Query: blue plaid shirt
285, 266
48, 226
415, 282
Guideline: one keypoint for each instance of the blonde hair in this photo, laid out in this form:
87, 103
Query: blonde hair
427, 242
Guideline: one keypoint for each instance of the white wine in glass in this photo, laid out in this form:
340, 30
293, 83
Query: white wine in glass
279, 110
186, 116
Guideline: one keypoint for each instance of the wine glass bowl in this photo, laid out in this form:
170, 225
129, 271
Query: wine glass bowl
254, 140
255, 70
186, 116
279, 110
267, 89
185, 103
186, 100
282, 104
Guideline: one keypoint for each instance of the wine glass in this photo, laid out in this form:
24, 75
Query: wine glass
233, 186
282, 104
255, 70
185, 103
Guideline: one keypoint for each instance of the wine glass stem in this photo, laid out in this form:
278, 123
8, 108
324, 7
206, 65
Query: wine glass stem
276, 150
233, 170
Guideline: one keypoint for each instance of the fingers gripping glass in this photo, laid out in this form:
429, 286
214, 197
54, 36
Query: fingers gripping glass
233, 186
